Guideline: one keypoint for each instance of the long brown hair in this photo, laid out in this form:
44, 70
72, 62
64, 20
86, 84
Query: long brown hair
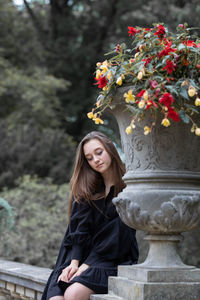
86, 184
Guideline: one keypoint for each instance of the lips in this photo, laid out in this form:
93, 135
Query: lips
98, 166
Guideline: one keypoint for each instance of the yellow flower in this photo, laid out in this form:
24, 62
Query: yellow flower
90, 115
146, 96
105, 88
128, 129
119, 80
129, 97
105, 63
98, 64
104, 69
197, 101
98, 120
98, 74
141, 104
191, 91
197, 131
147, 130
140, 75
165, 122
109, 75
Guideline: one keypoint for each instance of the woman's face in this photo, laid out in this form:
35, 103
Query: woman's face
97, 156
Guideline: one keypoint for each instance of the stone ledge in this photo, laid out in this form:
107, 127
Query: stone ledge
22, 281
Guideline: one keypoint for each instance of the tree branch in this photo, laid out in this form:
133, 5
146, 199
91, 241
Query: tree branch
36, 24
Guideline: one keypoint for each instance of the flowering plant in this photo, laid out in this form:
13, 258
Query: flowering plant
163, 70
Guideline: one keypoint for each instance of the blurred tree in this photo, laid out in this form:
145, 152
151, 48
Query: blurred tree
30, 111
41, 210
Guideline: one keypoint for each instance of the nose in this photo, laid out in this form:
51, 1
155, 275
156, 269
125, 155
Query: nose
96, 159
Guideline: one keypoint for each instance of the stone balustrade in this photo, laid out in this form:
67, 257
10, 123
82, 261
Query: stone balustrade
21, 281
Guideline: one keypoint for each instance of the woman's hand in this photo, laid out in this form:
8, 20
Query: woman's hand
81, 269
69, 271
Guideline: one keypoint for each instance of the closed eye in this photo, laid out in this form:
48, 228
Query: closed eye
99, 153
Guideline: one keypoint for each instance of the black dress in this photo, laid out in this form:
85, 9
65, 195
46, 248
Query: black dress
95, 236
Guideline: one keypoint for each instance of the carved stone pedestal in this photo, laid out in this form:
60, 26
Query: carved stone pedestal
162, 197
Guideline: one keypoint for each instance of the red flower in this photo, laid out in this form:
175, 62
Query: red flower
169, 79
189, 43
118, 48
160, 32
168, 43
157, 92
166, 51
101, 82
173, 114
198, 45
150, 103
132, 31
153, 84
181, 25
170, 66
147, 61
166, 99
140, 94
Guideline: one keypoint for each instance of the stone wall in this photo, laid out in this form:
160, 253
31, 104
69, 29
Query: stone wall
21, 281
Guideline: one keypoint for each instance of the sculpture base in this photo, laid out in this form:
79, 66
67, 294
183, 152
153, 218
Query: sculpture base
136, 283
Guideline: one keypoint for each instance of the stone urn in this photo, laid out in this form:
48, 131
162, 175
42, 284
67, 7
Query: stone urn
162, 197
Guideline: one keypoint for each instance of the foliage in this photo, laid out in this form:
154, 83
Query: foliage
29, 149
29, 95
163, 71
41, 210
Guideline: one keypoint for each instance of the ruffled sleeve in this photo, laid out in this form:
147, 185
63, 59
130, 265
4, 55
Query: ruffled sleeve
79, 229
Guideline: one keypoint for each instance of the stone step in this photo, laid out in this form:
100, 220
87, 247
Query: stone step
105, 297
137, 290
125, 288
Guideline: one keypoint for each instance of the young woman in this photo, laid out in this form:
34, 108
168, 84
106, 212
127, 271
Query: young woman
96, 240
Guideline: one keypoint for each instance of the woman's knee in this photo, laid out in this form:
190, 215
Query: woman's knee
57, 298
77, 291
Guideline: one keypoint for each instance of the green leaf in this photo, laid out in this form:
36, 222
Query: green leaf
191, 108
172, 90
194, 84
184, 94
184, 117
196, 50
181, 46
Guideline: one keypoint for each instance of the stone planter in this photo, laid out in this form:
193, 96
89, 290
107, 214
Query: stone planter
162, 197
